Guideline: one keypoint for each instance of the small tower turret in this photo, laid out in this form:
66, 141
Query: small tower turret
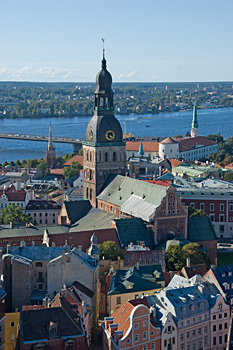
141, 151
194, 128
50, 152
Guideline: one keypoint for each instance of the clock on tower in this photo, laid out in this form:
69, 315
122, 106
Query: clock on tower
103, 148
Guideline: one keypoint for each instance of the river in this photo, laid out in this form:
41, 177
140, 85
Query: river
210, 121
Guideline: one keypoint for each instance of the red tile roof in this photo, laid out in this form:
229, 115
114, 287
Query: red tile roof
189, 144
121, 316
164, 183
14, 195
76, 158
58, 171
147, 146
228, 166
169, 140
175, 162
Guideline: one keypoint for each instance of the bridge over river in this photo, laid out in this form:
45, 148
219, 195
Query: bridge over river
76, 143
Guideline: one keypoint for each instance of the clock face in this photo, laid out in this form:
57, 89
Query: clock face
90, 134
110, 135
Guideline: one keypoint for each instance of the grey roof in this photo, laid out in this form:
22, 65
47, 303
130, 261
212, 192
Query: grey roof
77, 209
133, 231
136, 280
7, 232
95, 219
35, 253
34, 324
122, 188
138, 207
223, 274
200, 229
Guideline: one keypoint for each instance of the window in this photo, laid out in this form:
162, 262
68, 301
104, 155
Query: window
128, 341
221, 207
231, 207
188, 335
214, 317
144, 323
118, 300
225, 325
212, 217
144, 335
220, 327
39, 264
225, 338
144, 347
182, 336
221, 218
221, 228
136, 326
114, 156
220, 305
40, 214
194, 332
199, 331
192, 205
214, 328
46, 214
165, 342
214, 341
69, 345
152, 346
136, 338
12, 324
220, 339
202, 206
106, 156
211, 206
205, 329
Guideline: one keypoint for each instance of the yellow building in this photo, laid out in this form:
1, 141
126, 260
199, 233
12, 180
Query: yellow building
11, 329
131, 283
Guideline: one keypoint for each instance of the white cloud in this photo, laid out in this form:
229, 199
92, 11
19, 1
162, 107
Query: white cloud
128, 76
42, 74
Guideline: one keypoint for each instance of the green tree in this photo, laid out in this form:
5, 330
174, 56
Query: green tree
174, 258
195, 212
14, 214
196, 256
5, 164
11, 163
43, 166
228, 176
59, 161
73, 170
110, 250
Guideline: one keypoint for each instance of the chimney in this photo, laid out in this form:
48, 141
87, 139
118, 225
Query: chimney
11, 224
8, 248
188, 264
80, 250
46, 301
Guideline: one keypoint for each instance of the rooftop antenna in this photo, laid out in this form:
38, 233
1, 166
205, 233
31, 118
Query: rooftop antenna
103, 46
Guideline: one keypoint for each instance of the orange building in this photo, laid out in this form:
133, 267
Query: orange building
132, 326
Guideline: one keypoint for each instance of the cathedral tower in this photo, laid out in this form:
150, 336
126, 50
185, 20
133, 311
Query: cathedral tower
194, 128
103, 148
50, 152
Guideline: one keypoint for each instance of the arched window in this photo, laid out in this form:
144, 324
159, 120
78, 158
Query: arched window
90, 193
87, 155
100, 157
114, 157
90, 175
90, 157
87, 193
106, 156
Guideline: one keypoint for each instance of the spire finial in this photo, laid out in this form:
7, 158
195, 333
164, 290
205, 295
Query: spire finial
103, 47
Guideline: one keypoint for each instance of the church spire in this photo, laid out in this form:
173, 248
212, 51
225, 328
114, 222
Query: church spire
50, 143
194, 128
141, 151
50, 152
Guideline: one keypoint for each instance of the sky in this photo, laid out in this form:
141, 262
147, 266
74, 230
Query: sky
145, 41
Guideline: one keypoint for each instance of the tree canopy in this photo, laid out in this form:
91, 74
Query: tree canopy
176, 256
73, 170
110, 250
14, 214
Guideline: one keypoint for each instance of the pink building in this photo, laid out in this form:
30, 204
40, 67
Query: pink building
43, 212
132, 326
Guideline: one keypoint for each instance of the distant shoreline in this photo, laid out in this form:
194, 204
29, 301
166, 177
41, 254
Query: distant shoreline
120, 114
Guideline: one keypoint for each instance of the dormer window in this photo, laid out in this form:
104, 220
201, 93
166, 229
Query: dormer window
53, 329
69, 345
